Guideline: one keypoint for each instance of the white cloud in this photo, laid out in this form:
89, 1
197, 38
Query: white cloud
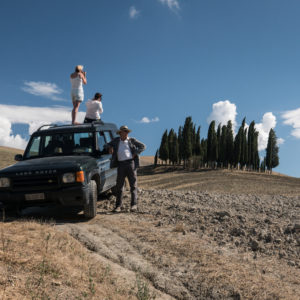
147, 120
222, 112
292, 117
280, 141
268, 121
133, 12
32, 116
172, 4
44, 89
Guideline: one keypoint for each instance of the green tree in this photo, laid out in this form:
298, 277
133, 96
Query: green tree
198, 143
204, 151
164, 147
212, 143
170, 144
173, 147
219, 144
229, 144
272, 158
175, 150
252, 146
155, 158
187, 133
180, 145
223, 146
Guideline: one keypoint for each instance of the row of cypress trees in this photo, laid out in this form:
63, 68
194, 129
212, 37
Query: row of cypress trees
219, 149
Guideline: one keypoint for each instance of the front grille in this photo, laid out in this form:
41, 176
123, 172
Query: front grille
35, 182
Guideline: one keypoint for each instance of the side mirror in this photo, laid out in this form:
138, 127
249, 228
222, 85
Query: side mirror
19, 157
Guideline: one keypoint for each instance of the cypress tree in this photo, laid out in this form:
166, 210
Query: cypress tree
252, 146
223, 146
229, 144
219, 144
187, 139
198, 143
164, 147
180, 145
212, 143
272, 158
244, 158
175, 148
204, 151
238, 146
155, 158
193, 139
170, 145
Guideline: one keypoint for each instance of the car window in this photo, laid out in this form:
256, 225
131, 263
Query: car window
83, 142
108, 136
100, 140
34, 147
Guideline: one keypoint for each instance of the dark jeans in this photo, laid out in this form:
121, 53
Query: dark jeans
126, 169
88, 120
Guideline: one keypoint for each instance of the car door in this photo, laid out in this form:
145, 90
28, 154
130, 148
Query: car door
107, 175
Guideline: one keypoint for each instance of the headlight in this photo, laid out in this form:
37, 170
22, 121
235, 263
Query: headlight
4, 182
68, 177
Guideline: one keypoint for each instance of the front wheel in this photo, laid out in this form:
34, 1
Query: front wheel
90, 209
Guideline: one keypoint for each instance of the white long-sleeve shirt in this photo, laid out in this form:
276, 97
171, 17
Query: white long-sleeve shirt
93, 109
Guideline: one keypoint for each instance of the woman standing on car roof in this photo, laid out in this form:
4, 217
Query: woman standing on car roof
78, 78
93, 109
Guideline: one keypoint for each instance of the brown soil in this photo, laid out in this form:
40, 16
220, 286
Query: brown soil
197, 235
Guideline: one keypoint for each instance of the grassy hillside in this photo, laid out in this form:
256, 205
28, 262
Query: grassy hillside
220, 181
7, 156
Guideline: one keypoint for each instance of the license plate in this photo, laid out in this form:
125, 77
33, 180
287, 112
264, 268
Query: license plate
39, 196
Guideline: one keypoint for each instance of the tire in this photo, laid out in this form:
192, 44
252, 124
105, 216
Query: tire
90, 209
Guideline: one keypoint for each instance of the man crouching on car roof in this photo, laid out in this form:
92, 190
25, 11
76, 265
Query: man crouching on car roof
125, 156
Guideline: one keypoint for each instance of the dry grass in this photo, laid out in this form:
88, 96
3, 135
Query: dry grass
7, 156
221, 181
39, 262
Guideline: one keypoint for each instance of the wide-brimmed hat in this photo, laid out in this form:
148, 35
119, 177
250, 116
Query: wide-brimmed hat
123, 128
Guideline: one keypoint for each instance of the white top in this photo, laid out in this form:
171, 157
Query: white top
124, 152
76, 83
93, 109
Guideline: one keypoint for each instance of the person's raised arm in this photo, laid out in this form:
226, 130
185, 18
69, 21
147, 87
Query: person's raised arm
83, 77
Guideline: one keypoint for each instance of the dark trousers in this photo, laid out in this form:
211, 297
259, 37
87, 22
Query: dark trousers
126, 169
88, 120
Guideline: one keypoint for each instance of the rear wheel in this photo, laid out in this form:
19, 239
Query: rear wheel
90, 209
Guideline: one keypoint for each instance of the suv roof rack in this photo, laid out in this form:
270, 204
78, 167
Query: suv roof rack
50, 125
100, 122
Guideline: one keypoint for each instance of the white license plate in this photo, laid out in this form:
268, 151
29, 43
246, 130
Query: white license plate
39, 196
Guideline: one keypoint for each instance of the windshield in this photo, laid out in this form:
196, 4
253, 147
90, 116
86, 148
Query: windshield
61, 144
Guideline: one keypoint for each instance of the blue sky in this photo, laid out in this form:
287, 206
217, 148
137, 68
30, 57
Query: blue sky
155, 62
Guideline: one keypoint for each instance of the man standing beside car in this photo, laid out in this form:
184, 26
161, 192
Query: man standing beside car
125, 156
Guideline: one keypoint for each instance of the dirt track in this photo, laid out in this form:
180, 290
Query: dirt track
191, 245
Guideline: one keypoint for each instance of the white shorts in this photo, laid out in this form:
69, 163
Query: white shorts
77, 95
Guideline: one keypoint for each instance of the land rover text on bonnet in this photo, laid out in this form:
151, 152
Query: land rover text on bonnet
67, 165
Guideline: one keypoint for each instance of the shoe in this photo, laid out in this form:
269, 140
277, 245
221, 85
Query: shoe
133, 208
117, 209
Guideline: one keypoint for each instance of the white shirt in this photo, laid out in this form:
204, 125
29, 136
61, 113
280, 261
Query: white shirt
93, 109
124, 152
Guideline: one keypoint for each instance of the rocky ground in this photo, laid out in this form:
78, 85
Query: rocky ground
193, 245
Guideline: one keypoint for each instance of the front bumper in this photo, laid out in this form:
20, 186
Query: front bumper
66, 196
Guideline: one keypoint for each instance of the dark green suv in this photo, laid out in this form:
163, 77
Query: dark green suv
67, 165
